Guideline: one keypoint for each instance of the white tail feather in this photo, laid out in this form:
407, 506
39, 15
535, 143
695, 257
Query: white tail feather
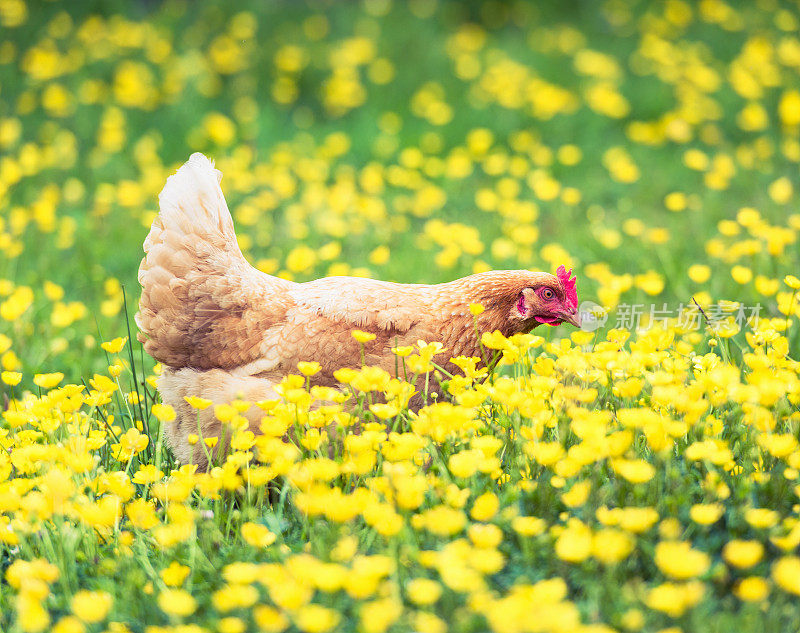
192, 200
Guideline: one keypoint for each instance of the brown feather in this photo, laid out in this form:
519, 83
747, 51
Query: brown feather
218, 324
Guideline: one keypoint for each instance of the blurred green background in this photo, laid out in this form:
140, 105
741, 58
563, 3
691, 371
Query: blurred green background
413, 141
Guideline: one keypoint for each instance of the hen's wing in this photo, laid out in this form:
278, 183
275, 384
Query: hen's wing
202, 304
364, 303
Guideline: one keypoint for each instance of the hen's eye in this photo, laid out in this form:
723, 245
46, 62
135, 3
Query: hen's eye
547, 294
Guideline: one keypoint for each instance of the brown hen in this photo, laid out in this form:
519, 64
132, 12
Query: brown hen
223, 329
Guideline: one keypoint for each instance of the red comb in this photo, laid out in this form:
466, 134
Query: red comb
571, 298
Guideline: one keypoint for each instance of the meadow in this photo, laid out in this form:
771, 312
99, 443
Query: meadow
640, 475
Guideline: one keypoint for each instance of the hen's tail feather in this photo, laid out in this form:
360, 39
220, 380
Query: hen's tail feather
202, 304
192, 202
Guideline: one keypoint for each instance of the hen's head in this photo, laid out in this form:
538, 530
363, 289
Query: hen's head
527, 299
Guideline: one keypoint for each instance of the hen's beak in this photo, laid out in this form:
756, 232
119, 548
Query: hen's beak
573, 318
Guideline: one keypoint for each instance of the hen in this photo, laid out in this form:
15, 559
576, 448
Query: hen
223, 329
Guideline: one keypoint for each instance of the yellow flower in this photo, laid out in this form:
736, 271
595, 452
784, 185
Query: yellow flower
574, 544
678, 560
423, 592
699, 273
243, 441
269, 619
176, 602
577, 495
378, 615
234, 596
257, 535
781, 190
485, 507
792, 281
610, 545
766, 286
163, 412
706, 513
494, 340
147, 474
751, 589
669, 529
309, 368
231, 624
103, 384
301, 259
742, 554
440, 520
675, 598
675, 201
11, 378
241, 573
131, 443
761, 518
428, 622
198, 403
547, 453
10, 361
68, 624
91, 606
48, 381
741, 274
115, 346
379, 256
15, 306
175, 574
314, 618
31, 615
219, 128
475, 309
651, 282
636, 471
362, 337
21, 571
142, 514
485, 535
528, 526
384, 411
633, 620
786, 574
464, 463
